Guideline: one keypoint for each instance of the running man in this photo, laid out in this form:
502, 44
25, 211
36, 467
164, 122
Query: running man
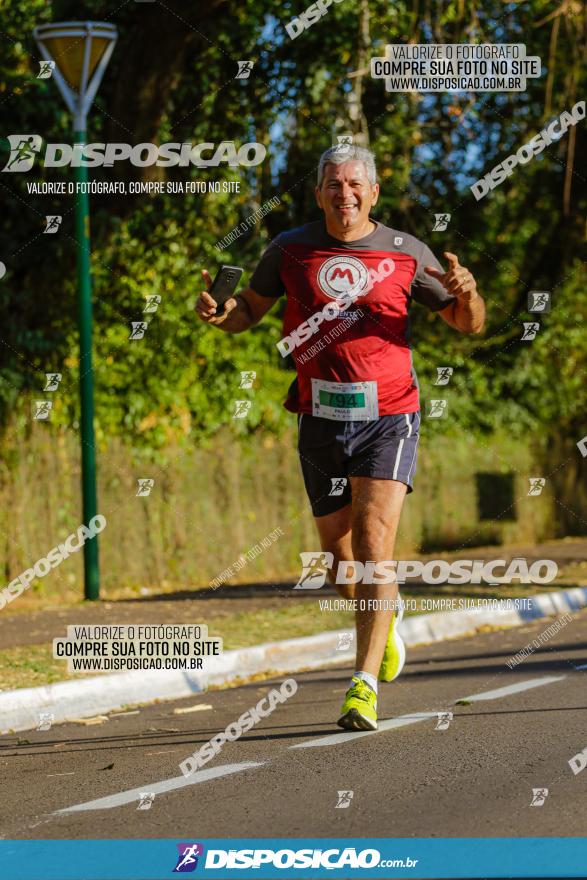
356, 392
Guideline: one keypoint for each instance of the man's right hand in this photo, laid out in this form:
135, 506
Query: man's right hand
206, 306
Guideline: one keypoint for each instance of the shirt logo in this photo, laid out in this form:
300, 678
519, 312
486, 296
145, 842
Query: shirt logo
339, 275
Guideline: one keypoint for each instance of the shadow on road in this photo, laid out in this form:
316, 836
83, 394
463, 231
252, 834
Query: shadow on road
571, 646
189, 738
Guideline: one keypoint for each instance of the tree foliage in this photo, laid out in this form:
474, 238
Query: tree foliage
172, 78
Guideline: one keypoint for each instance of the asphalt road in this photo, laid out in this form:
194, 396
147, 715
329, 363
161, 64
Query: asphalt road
517, 732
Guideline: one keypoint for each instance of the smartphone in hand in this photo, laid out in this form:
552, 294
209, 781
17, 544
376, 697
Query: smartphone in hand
224, 285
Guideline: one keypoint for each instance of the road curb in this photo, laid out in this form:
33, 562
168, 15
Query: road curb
20, 709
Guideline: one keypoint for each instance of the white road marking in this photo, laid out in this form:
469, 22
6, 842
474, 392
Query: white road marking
165, 752
336, 738
132, 794
199, 707
416, 717
513, 689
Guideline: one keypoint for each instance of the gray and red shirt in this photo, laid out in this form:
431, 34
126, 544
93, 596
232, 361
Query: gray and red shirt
312, 268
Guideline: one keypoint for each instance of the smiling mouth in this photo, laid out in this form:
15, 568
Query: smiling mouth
346, 207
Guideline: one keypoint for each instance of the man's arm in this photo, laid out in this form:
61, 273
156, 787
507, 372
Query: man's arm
240, 312
467, 314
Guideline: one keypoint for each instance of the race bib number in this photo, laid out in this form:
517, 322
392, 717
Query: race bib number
345, 401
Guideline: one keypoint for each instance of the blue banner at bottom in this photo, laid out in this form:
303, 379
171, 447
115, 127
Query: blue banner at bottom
414, 858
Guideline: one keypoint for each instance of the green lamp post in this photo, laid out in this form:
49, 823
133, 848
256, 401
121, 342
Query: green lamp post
81, 52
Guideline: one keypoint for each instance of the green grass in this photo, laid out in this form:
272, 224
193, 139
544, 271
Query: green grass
30, 666
34, 665
245, 489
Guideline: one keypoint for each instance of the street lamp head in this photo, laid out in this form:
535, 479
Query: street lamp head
81, 51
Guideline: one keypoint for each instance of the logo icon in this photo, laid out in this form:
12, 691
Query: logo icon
23, 150
398, 240
152, 302
339, 275
146, 799
46, 69
53, 222
314, 569
345, 640
344, 142
344, 800
42, 410
53, 380
444, 719
539, 795
145, 486
530, 330
437, 409
241, 408
139, 329
537, 484
187, 860
46, 719
338, 485
441, 222
244, 69
443, 375
539, 301
247, 378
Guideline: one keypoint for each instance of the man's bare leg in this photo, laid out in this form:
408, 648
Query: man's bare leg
365, 530
334, 530
375, 513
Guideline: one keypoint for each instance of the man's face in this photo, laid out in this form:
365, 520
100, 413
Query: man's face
346, 196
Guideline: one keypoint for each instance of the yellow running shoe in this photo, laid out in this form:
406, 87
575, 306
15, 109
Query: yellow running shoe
394, 656
359, 710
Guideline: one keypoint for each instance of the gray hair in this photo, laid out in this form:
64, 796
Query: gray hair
348, 153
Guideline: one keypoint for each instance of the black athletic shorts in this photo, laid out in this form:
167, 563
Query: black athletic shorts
332, 451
